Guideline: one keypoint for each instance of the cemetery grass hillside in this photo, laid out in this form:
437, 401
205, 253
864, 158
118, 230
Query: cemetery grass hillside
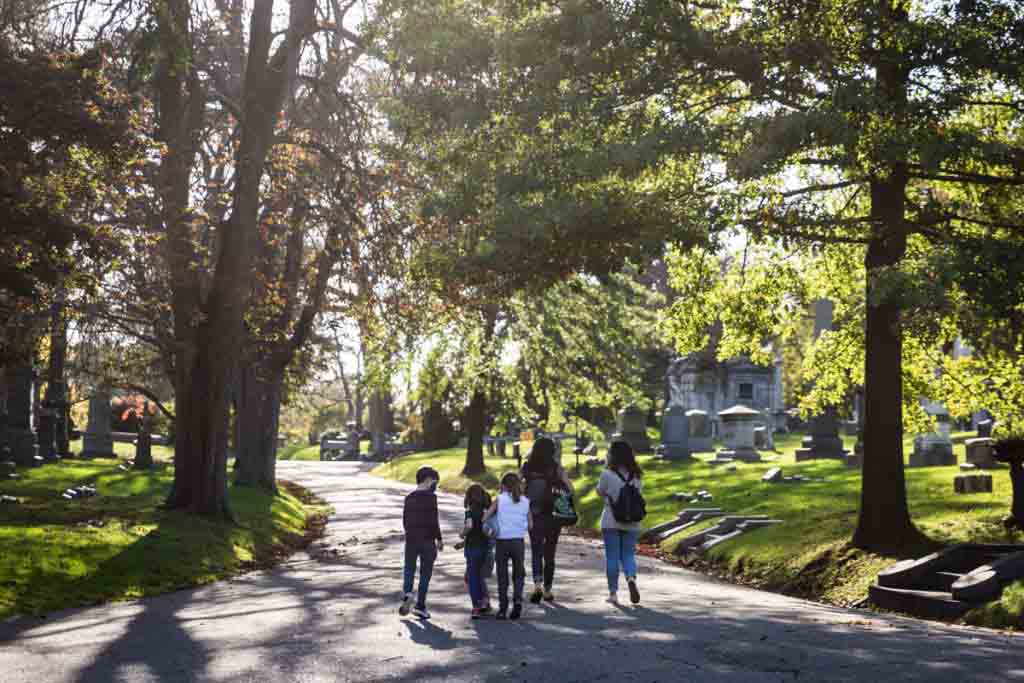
809, 554
121, 544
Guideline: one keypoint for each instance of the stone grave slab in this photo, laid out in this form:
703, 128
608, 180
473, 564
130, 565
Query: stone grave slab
972, 483
675, 435
699, 430
980, 453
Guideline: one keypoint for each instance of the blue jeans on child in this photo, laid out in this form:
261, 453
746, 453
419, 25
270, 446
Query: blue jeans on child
620, 549
474, 569
426, 553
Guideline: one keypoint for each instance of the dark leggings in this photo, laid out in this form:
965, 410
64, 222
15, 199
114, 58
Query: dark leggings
543, 544
514, 550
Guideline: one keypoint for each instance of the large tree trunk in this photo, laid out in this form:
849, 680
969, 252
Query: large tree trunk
476, 413
201, 475
259, 413
476, 419
381, 419
205, 364
884, 525
53, 426
180, 105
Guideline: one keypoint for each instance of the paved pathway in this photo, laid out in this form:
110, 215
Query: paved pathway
332, 617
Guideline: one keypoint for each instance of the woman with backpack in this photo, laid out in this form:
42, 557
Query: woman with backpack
544, 476
620, 485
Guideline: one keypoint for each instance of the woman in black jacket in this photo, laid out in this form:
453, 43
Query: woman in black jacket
543, 476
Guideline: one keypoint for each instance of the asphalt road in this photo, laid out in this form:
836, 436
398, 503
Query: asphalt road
331, 615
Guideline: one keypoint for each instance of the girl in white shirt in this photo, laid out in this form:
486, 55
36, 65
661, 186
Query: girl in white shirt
512, 509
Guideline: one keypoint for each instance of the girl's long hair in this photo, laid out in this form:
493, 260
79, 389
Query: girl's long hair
476, 495
621, 457
542, 458
511, 483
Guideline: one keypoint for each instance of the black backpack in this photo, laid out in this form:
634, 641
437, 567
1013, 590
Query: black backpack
539, 490
630, 507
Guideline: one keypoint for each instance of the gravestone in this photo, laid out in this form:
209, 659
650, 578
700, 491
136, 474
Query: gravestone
738, 425
20, 437
935, 449
632, 423
972, 483
980, 453
675, 434
932, 450
700, 431
823, 441
49, 421
97, 441
984, 429
763, 438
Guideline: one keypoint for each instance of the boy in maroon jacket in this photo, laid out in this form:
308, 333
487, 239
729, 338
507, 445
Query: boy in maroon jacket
422, 540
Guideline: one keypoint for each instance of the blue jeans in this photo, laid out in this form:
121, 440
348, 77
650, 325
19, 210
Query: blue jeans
620, 549
474, 566
426, 553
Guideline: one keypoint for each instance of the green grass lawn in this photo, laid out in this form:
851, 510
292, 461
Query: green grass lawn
808, 554
119, 544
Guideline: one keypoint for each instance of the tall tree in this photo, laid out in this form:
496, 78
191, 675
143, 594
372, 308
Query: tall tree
208, 319
842, 122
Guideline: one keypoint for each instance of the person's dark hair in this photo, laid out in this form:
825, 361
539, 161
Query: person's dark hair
621, 457
424, 473
511, 481
542, 458
476, 495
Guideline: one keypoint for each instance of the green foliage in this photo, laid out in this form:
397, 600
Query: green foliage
585, 341
69, 147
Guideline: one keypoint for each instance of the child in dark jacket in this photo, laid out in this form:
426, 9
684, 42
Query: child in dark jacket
422, 540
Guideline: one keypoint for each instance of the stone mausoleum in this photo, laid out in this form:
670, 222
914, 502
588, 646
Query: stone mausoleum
701, 382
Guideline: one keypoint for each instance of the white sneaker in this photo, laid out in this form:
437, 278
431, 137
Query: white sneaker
613, 598
406, 605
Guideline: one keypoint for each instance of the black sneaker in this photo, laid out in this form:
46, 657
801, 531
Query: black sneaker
501, 616
548, 595
536, 596
406, 605
517, 611
634, 592
486, 610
